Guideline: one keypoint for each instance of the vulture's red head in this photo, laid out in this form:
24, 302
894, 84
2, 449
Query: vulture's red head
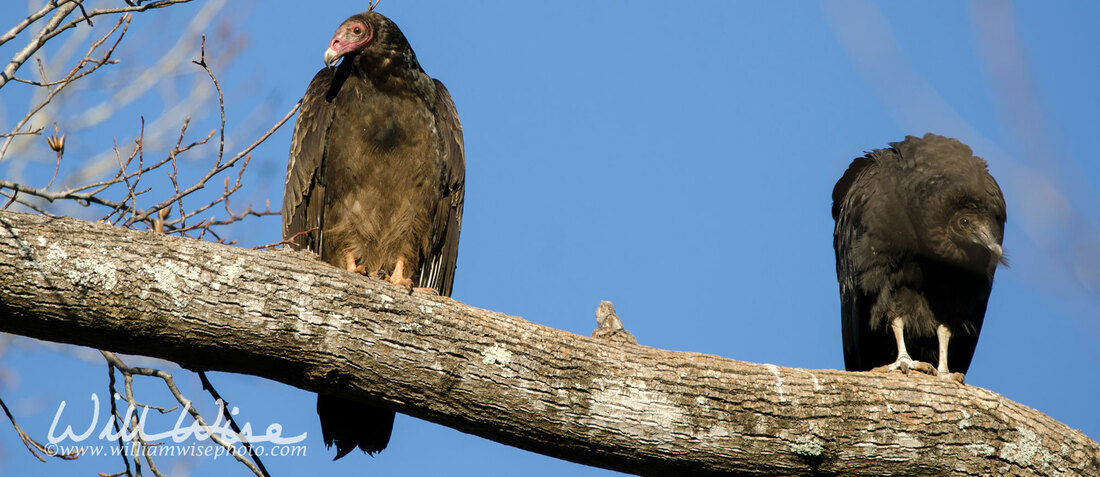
370, 35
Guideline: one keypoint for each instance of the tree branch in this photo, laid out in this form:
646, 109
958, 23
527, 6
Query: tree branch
287, 317
54, 27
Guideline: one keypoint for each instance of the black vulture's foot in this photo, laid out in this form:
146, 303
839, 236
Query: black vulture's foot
906, 364
956, 377
428, 290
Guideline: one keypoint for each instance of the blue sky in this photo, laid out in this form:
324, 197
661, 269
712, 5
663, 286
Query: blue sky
677, 160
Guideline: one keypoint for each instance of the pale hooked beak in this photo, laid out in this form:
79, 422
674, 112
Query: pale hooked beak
331, 56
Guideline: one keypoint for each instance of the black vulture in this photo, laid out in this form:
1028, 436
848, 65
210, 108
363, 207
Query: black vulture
375, 184
919, 228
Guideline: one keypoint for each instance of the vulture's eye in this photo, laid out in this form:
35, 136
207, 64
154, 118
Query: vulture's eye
964, 222
358, 30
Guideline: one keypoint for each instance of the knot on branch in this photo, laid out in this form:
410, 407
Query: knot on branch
609, 327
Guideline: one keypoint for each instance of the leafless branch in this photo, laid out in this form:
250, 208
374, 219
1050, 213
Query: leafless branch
128, 374
170, 63
35, 132
603, 402
129, 421
115, 420
36, 449
223, 406
288, 241
13, 198
19, 27
216, 170
73, 75
128, 211
125, 86
60, 9
123, 194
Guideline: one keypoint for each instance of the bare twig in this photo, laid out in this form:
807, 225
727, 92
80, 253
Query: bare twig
85, 13
137, 437
132, 209
33, 446
224, 407
129, 372
19, 27
35, 132
115, 419
128, 212
53, 27
73, 75
221, 98
63, 9
288, 241
170, 63
201, 182
14, 198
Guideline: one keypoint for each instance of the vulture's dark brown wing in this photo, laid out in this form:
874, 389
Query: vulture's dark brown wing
304, 191
345, 423
848, 208
439, 263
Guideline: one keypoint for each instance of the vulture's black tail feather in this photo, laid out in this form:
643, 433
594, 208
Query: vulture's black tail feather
350, 424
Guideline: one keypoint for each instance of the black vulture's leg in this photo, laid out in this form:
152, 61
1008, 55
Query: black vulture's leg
904, 362
943, 333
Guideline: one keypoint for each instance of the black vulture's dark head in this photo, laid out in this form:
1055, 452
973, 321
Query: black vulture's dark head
966, 223
977, 233
957, 207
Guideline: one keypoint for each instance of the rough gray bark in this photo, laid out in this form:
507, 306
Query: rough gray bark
608, 403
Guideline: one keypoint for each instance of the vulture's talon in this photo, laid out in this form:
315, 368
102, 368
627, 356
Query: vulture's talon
921, 366
349, 264
905, 364
398, 276
400, 281
956, 377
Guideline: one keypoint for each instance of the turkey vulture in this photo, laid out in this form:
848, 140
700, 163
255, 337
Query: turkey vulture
918, 235
375, 184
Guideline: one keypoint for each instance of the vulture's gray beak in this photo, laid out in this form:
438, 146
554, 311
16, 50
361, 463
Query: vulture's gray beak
984, 237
